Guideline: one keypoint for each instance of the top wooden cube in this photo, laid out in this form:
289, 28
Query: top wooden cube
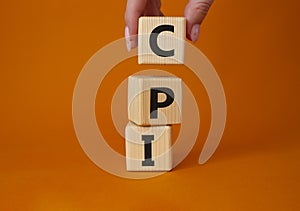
161, 40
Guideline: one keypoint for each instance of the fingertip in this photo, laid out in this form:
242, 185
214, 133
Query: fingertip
131, 40
127, 38
195, 32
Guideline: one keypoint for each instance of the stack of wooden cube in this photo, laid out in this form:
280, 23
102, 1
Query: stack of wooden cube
155, 102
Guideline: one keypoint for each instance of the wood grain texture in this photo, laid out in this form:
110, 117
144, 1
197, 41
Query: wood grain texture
166, 40
139, 100
161, 157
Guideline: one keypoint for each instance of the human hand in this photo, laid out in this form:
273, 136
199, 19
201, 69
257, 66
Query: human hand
195, 11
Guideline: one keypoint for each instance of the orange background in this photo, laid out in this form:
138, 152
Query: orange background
254, 46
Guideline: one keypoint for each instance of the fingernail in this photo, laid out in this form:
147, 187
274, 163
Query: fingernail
131, 41
195, 32
127, 38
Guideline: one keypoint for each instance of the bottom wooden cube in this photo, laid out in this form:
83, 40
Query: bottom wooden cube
148, 148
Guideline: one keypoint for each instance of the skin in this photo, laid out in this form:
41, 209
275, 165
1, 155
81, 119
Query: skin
195, 12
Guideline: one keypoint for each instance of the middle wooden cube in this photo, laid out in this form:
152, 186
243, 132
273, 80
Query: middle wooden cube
154, 100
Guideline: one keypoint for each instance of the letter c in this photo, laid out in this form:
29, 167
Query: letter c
153, 41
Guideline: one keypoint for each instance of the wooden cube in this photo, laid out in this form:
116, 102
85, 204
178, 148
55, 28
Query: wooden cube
154, 100
161, 40
148, 148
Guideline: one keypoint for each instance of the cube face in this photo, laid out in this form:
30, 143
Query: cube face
148, 148
161, 40
154, 100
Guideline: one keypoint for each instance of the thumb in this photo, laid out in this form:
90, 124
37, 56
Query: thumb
195, 11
